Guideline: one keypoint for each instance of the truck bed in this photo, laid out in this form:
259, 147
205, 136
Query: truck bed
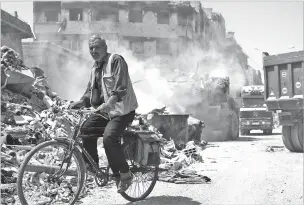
283, 81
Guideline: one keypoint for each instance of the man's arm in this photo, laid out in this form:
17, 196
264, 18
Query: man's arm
121, 75
85, 99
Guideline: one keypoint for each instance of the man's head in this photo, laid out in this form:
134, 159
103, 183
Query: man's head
98, 47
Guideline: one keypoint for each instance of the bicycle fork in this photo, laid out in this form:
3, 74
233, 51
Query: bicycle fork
66, 160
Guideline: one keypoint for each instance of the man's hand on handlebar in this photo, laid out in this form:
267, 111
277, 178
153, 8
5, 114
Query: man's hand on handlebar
104, 108
77, 105
94, 111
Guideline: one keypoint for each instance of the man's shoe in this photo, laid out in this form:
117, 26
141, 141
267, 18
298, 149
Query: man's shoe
125, 182
117, 180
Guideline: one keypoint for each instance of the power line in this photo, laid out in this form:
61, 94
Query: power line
254, 62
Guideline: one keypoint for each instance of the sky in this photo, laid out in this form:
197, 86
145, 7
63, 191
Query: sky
272, 26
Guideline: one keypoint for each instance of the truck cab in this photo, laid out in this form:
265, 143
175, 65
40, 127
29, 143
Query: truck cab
253, 111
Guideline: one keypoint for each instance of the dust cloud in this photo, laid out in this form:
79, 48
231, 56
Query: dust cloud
155, 87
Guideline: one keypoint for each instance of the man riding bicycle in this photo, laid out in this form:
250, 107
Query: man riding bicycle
111, 91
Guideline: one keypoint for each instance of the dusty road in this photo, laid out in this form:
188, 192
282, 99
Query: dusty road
242, 172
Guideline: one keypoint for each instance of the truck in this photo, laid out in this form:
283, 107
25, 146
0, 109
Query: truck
253, 112
283, 83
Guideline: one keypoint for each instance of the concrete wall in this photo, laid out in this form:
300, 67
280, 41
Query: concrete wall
12, 40
61, 67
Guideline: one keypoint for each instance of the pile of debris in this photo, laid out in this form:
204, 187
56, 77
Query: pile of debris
22, 129
27, 118
176, 157
11, 59
175, 160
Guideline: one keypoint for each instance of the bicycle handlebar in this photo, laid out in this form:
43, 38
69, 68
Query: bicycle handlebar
91, 111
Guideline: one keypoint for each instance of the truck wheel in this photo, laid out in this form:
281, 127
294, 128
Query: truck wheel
289, 133
296, 134
301, 134
234, 126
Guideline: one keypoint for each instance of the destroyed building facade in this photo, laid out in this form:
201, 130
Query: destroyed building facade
13, 30
147, 28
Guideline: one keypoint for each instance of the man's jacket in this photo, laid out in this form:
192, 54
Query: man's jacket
112, 79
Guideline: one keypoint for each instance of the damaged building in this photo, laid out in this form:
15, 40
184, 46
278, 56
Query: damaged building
147, 28
57, 63
13, 30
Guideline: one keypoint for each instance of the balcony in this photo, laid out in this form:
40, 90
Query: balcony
11, 23
153, 31
123, 29
46, 27
77, 27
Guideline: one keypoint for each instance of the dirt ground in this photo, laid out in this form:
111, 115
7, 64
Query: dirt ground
246, 171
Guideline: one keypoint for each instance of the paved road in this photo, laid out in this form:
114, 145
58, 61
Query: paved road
242, 172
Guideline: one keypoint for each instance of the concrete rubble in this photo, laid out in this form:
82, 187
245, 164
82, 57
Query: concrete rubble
38, 114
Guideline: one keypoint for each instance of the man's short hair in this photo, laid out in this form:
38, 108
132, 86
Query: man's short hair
96, 37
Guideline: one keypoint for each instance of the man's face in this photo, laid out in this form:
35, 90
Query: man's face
98, 50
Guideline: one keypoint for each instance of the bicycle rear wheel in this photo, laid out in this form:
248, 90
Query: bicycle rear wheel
144, 178
41, 179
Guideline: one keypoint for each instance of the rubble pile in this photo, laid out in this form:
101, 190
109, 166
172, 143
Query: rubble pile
11, 60
22, 129
175, 157
27, 119
175, 160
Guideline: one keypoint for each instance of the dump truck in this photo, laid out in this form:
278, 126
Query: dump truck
218, 110
253, 112
283, 81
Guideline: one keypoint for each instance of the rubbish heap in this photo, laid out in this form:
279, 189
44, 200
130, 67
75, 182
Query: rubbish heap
10, 59
175, 157
27, 119
175, 160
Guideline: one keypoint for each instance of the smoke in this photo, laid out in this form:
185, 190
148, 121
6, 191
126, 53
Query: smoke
174, 86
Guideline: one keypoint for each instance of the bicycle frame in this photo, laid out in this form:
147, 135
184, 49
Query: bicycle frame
75, 144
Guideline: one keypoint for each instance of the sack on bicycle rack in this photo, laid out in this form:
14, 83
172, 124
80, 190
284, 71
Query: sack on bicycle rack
129, 145
148, 148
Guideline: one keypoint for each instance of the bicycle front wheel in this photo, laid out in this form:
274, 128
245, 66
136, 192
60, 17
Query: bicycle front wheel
144, 178
48, 176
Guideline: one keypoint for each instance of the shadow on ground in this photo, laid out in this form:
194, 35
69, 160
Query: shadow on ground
261, 134
166, 200
253, 138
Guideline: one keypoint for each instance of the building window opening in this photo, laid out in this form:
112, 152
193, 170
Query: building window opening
76, 14
163, 47
137, 47
135, 16
163, 17
102, 15
51, 16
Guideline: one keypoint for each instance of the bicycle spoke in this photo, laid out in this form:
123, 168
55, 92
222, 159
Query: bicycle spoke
48, 178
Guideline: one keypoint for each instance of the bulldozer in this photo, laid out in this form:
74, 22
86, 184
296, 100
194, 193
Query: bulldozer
218, 110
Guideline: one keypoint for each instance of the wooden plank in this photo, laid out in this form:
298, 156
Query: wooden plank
8, 186
49, 169
21, 147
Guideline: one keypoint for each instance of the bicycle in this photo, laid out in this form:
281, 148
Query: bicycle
68, 190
